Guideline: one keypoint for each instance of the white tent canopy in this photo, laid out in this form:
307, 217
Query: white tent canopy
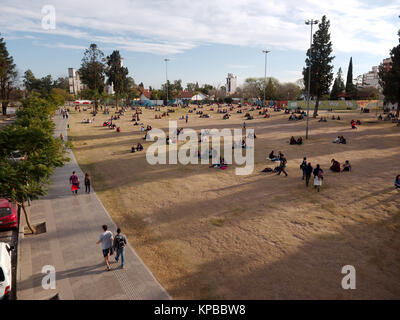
198, 97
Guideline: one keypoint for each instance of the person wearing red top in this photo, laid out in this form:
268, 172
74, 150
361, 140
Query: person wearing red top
74, 181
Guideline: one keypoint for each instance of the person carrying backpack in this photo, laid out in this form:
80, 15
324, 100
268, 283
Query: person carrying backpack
119, 246
303, 167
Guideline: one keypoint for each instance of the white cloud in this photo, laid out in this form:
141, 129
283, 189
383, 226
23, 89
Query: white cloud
173, 26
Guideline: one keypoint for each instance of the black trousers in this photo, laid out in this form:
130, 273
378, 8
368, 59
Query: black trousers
87, 187
308, 176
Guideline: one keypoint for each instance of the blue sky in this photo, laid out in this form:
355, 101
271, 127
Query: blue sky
204, 40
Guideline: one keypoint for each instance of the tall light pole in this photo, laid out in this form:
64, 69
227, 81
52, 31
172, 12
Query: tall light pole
265, 72
166, 76
309, 22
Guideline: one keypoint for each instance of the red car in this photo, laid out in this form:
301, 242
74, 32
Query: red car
8, 215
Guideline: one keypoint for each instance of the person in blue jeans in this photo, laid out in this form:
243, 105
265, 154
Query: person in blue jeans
119, 246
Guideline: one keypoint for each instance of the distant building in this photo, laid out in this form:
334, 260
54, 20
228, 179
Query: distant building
110, 88
231, 84
371, 78
74, 81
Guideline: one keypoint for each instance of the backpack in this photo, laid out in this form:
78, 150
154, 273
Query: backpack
320, 174
120, 241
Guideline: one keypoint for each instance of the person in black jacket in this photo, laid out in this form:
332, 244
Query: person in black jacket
119, 246
307, 172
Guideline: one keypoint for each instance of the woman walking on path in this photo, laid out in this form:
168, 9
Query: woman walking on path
87, 183
318, 176
74, 181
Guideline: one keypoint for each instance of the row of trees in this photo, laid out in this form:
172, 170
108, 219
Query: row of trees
8, 76
32, 135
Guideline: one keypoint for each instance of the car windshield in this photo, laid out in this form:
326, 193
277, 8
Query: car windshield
4, 212
2, 277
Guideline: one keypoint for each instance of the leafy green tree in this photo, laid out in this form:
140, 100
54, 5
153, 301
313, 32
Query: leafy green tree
389, 79
190, 86
351, 90
117, 75
92, 72
31, 134
319, 59
8, 75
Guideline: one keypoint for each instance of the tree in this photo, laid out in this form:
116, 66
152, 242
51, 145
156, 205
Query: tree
92, 72
190, 86
31, 134
338, 86
351, 90
389, 79
319, 59
8, 75
287, 91
117, 75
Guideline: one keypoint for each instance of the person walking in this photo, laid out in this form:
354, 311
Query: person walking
74, 181
282, 166
106, 239
62, 137
119, 247
307, 172
87, 183
303, 166
187, 118
318, 177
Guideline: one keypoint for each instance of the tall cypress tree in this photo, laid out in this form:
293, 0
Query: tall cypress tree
338, 86
319, 58
350, 88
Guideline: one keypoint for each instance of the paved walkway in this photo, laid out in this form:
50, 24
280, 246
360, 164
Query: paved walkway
73, 226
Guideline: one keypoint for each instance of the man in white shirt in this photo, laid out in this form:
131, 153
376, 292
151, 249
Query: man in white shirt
106, 239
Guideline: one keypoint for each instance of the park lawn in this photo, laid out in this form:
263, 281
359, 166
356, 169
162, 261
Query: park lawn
210, 234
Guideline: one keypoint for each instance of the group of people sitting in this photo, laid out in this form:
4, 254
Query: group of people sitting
322, 119
226, 116
248, 116
87, 120
294, 141
335, 167
333, 117
274, 157
221, 165
340, 139
293, 117
138, 147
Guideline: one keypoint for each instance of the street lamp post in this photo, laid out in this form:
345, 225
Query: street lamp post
166, 76
265, 73
309, 22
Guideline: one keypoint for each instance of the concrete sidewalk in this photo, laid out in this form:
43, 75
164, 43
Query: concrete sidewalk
73, 226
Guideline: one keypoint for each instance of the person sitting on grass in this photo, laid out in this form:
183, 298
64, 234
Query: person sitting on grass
272, 155
337, 140
292, 140
335, 167
338, 118
346, 166
133, 149
397, 182
299, 140
118, 129
353, 124
139, 147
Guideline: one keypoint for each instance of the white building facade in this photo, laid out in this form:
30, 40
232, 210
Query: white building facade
231, 84
74, 81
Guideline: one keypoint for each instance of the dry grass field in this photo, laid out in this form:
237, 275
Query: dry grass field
210, 234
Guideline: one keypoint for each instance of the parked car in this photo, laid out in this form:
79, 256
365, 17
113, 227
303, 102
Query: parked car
5, 270
16, 156
8, 214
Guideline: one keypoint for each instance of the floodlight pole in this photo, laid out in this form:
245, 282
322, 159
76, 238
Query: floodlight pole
309, 22
166, 76
265, 73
